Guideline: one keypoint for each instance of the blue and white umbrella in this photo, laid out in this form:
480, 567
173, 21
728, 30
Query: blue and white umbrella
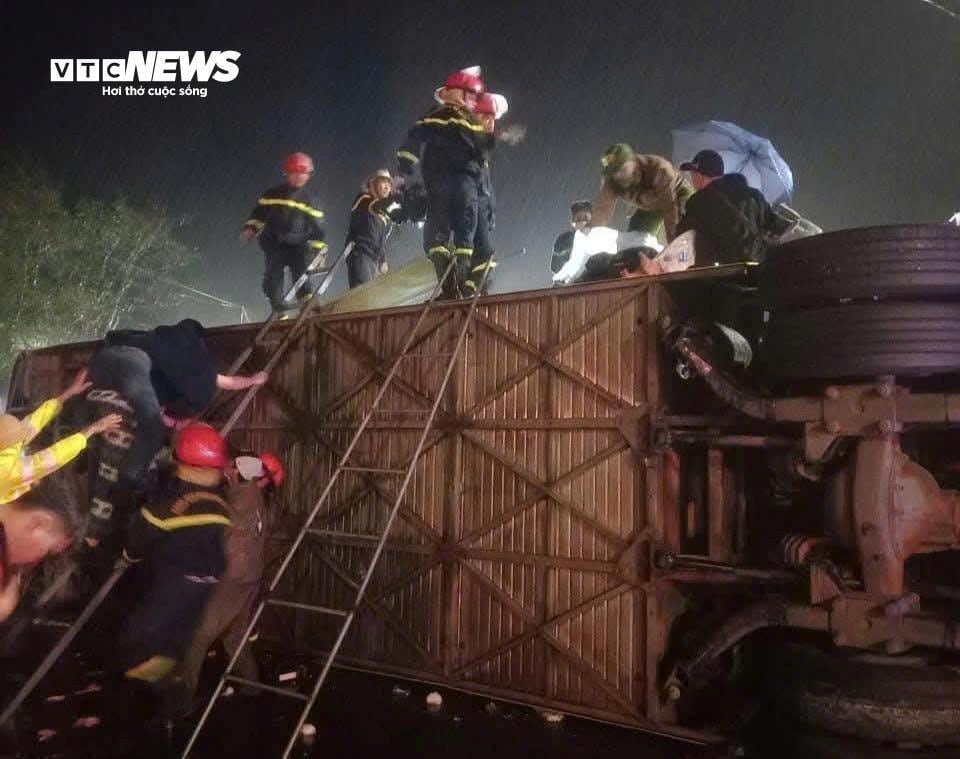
743, 153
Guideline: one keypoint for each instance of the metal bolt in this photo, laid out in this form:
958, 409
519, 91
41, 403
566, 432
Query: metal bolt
832, 392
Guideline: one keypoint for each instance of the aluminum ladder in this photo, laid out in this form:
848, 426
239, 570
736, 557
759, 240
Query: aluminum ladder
67, 638
348, 615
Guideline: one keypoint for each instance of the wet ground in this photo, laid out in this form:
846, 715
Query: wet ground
80, 712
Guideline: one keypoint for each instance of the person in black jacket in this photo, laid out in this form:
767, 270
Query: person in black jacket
448, 146
581, 214
733, 221
290, 228
371, 219
155, 380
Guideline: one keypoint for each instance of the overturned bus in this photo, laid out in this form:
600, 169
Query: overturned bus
641, 496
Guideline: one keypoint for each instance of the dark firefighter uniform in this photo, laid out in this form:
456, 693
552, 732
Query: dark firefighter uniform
448, 145
486, 221
370, 224
181, 538
290, 227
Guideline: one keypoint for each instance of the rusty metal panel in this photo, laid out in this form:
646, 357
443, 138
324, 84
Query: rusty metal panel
513, 568
518, 565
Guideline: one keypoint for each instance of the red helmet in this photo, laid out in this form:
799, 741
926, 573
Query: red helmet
467, 79
200, 444
274, 468
491, 103
298, 163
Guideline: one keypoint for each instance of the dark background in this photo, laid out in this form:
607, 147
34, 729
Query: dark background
862, 97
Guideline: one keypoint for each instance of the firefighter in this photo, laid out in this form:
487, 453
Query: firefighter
289, 226
448, 146
251, 482
372, 216
179, 535
490, 107
20, 471
155, 380
649, 182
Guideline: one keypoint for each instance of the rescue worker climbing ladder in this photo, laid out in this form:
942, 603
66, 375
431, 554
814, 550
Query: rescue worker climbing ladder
448, 146
289, 227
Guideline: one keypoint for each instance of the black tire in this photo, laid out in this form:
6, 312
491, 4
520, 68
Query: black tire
909, 261
863, 340
908, 699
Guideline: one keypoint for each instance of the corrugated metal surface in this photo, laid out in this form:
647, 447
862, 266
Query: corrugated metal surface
517, 566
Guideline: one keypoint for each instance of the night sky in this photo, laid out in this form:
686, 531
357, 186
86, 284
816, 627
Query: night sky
862, 98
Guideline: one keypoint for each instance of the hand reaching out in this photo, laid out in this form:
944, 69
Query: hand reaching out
78, 386
513, 134
108, 422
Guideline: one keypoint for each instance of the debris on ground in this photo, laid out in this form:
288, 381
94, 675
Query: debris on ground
434, 700
308, 734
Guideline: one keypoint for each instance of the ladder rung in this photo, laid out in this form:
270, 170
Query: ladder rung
319, 270
306, 607
373, 469
338, 534
263, 686
48, 622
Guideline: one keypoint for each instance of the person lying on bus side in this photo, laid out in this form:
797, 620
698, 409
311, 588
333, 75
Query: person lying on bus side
37, 525
20, 470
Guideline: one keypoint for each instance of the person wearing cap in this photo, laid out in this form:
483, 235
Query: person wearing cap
288, 224
251, 481
156, 380
649, 182
372, 216
179, 536
447, 146
581, 216
733, 222
20, 470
